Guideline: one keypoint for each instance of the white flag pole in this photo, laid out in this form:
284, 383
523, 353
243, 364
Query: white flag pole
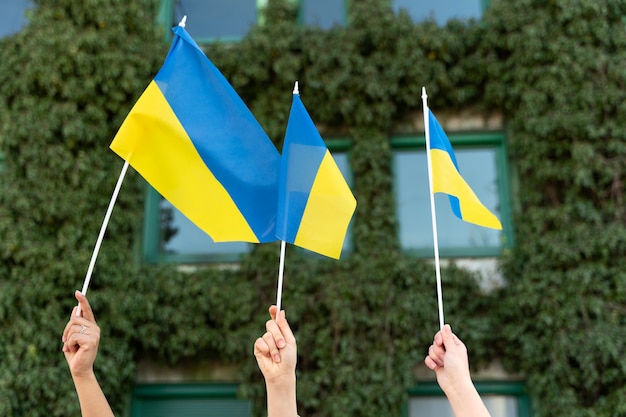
432, 207
103, 228
281, 269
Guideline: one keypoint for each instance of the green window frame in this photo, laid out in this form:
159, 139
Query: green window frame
190, 400
491, 141
153, 247
516, 389
309, 13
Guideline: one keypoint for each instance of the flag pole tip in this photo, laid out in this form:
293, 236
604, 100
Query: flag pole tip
424, 92
183, 21
295, 88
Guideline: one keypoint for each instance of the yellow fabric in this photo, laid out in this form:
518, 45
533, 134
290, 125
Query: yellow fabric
330, 199
446, 179
155, 144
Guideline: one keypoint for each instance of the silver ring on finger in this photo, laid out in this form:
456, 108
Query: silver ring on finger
82, 329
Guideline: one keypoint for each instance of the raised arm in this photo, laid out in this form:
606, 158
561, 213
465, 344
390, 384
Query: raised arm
80, 346
447, 356
276, 355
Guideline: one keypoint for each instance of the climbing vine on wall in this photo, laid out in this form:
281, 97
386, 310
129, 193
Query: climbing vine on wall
554, 69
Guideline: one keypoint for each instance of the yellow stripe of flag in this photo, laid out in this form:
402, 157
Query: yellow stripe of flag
331, 201
155, 144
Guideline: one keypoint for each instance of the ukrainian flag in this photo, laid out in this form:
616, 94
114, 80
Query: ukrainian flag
315, 204
447, 179
194, 140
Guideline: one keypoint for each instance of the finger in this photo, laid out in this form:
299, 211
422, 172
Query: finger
81, 341
431, 363
67, 326
84, 328
438, 340
436, 354
450, 340
87, 312
75, 324
281, 320
285, 328
272, 327
438, 348
73, 343
273, 349
261, 348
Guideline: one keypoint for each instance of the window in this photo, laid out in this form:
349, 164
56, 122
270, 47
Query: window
216, 19
443, 10
481, 160
323, 13
211, 20
502, 399
189, 400
342, 161
169, 237
13, 16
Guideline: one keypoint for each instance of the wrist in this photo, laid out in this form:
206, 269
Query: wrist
281, 381
83, 375
459, 388
281, 396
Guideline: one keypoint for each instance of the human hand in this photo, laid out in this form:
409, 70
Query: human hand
276, 350
81, 338
447, 356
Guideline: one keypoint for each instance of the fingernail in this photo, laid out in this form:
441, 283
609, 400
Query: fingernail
281, 343
277, 358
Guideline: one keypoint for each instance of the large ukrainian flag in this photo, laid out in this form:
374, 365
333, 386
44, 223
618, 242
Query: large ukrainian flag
447, 179
315, 204
194, 140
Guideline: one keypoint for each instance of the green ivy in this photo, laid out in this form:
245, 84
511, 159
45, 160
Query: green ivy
555, 69
558, 72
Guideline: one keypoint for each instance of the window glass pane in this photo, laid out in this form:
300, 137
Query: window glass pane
323, 13
13, 16
341, 159
498, 406
180, 236
478, 168
440, 10
208, 19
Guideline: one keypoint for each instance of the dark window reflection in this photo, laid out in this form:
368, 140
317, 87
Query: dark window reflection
180, 236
